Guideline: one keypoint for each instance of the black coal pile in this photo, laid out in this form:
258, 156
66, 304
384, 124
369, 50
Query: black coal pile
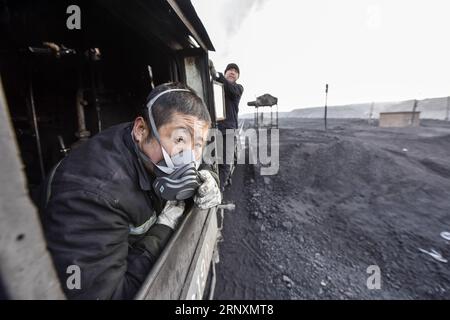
343, 200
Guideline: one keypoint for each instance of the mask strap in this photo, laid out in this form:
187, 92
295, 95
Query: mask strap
147, 159
167, 158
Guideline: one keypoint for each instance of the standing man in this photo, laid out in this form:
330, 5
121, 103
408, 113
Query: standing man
233, 94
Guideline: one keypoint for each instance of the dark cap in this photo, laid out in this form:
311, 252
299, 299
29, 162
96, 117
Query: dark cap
232, 66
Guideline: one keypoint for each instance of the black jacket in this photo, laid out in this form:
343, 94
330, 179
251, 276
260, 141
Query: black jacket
98, 214
233, 93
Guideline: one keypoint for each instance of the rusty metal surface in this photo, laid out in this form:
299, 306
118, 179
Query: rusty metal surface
170, 273
195, 283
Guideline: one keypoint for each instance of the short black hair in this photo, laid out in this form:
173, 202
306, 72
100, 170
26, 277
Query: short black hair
184, 102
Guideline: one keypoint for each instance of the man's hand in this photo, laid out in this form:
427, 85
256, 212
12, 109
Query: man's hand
212, 69
171, 213
208, 194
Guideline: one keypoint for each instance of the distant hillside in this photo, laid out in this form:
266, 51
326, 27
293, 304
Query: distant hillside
435, 108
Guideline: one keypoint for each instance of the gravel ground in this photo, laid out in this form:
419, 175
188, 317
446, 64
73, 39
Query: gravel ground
343, 200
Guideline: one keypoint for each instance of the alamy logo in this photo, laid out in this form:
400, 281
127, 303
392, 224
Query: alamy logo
74, 280
262, 148
74, 20
374, 280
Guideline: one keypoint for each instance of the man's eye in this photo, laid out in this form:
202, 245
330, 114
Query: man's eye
179, 139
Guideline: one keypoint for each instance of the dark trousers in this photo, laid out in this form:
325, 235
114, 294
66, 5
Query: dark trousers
228, 155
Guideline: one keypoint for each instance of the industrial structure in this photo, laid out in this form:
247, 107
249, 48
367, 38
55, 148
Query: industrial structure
399, 119
265, 100
60, 86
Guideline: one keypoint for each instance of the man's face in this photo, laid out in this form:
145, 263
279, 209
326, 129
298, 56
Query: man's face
232, 75
183, 132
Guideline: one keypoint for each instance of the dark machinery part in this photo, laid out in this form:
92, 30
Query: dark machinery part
94, 55
51, 48
82, 132
63, 149
32, 109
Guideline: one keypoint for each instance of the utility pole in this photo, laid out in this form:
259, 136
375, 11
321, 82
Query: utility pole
371, 113
448, 109
326, 107
414, 112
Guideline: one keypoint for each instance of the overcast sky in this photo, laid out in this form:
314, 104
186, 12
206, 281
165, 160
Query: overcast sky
367, 50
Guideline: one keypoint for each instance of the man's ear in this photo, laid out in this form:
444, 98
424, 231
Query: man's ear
140, 130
